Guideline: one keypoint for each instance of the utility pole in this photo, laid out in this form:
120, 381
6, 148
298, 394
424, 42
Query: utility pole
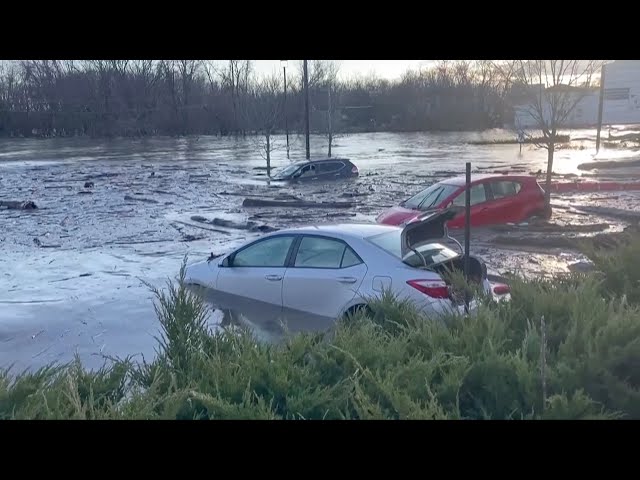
306, 107
286, 125
329, 121
600, 105
467, 234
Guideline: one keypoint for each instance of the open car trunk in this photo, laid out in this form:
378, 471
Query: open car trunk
430, 227
453, 269
452, 273
477, 269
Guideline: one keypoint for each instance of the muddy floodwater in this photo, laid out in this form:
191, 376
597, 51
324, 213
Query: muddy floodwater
115, 214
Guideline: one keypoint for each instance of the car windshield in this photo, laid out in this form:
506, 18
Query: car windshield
430, 197
289, 170
433, 253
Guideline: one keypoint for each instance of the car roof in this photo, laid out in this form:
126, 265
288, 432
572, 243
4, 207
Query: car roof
461, 180
320, 160
353, 230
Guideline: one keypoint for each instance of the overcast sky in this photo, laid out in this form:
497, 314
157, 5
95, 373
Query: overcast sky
390, 69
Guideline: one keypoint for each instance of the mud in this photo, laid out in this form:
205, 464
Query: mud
72, 271
609, 164
545, 227
610, 212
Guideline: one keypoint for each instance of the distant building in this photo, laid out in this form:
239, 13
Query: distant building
621, 103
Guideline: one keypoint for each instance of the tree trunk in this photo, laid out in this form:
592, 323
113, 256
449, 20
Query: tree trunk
547, 190
268, 155
330, 141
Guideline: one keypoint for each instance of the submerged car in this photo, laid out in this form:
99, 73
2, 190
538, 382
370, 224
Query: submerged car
318, 170
318, 274
495, 199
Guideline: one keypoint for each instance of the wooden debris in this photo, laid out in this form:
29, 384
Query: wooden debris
254, 202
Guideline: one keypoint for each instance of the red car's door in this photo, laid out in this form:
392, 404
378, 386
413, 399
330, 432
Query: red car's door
479, 207
505, 205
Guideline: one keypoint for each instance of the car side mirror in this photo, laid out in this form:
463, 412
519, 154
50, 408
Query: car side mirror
226, 262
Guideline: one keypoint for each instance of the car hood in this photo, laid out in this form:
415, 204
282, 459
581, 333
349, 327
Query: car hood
280, 176
428, 226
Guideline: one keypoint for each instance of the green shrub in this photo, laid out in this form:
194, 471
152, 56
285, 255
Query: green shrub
388, 362
620, 267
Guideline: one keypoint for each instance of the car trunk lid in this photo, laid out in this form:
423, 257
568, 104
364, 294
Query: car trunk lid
429, 226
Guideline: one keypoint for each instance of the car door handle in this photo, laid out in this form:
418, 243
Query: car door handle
347, 279
273, 278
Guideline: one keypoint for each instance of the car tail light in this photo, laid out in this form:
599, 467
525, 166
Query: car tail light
501, 289
354, 170
431, 288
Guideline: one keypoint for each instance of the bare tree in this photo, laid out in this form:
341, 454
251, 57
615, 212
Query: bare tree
462, 72
323, 79
506, 71
332, 111
264, 111
188, 70
146, 76
237, 78
211, 72
320, 72
143, 97
553, 88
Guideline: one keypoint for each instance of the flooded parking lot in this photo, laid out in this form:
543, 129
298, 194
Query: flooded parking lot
113, 215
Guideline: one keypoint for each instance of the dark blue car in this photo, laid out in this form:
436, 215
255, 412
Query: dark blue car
318, 170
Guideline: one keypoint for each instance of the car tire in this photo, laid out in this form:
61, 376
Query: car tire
355, 309
545, 213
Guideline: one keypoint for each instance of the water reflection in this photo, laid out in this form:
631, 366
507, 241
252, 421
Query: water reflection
268, 322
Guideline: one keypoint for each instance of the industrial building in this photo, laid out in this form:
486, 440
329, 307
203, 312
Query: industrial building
621, 100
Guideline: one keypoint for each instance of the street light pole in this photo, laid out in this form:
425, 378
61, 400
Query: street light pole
306, 107
286, 126
329, 120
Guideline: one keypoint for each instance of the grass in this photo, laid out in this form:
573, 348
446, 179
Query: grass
562, 349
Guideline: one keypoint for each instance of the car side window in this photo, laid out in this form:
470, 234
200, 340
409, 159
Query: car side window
309, 171
478, 195
350, 259
305, 171
331, 167
270, 252
318, 252
504, 189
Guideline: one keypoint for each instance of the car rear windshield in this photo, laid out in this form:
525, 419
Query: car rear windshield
432, 253
430, 197
330, 167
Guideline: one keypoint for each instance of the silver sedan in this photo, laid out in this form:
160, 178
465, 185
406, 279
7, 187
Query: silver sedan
316, 274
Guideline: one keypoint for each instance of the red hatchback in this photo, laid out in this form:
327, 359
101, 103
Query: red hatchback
495, 199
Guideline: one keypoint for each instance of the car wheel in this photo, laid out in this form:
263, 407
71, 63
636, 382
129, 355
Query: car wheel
352, 311
544, 213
